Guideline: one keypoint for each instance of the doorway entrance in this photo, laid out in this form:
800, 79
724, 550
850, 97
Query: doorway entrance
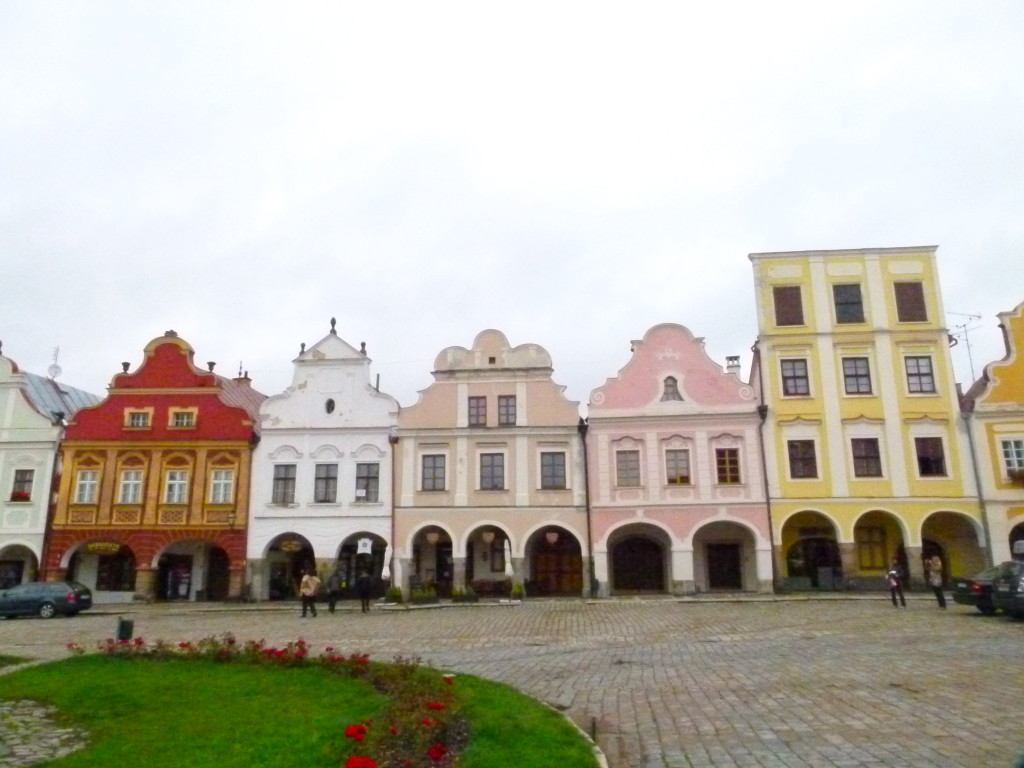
725, 566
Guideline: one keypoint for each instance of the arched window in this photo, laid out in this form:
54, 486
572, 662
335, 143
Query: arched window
671, 391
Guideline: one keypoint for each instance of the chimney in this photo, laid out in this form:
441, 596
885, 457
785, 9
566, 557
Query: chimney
125, 367
210, 364
243, 379
732, 365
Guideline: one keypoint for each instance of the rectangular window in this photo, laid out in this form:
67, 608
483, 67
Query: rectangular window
86, 486
931, 459
920, 377
130, 489
183, 419
802, 460
138, 419
677, 467
1013, 455
507, 410
871, 548
789, 309
433, 472
176, 487
222, 486
627, 469
856, 376
284, 484
478, 411
367, 482
552, 471
867, 460
727, 465
910, 307
794, 378
492, 471
325, 484
848, 303
22, 489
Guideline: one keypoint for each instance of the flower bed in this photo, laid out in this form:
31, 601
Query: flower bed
421, 727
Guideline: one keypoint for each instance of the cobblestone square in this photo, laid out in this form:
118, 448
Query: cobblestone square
777, 683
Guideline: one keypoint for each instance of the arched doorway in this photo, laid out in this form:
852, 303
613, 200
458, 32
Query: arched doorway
433, 566
488, 571
103, 566
287, 557
725, 558
811, 549
192, 569
17, 564
1017, 542
878, 537
954, 537
637, 555
556, 563
361, 552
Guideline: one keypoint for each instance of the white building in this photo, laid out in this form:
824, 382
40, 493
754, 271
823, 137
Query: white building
32, 413
321, 475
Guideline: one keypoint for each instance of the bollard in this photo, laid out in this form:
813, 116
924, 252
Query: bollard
125, 629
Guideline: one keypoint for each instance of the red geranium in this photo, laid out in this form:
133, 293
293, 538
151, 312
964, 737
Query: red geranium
435, 705
360, 761
436, 752
357, 732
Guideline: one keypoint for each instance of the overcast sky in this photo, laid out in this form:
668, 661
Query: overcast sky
569, 173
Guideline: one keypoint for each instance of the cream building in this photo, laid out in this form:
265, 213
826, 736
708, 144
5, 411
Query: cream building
490, 476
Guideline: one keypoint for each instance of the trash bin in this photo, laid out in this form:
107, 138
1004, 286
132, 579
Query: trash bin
125, 628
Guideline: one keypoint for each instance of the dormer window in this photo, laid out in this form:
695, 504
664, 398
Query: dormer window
138, 418
671, 389
182, 418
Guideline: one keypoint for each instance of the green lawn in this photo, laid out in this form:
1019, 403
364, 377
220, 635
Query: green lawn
200, 714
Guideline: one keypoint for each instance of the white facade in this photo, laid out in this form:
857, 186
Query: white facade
321, 474
31, 423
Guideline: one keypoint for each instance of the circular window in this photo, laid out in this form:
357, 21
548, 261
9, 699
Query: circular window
329, 405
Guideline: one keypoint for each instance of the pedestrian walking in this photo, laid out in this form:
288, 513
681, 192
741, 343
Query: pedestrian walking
308, 588
334, 585
934, 566
363, 588
894, 578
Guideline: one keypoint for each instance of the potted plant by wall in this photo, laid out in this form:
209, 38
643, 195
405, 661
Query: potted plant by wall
394, 595
465, 596
424, 596
517, 592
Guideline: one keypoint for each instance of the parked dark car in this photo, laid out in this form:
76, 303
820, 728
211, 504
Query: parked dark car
45, 598
976, 591
1008, 588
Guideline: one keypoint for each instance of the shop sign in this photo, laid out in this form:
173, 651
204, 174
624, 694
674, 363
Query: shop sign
290, 546
365, 547
103, 547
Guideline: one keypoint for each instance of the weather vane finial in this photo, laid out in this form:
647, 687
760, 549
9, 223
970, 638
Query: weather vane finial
333, 323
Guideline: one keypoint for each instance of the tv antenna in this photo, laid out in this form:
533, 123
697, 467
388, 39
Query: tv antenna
963, 330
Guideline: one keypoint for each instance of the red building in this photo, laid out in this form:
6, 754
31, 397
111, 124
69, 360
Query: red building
154, 489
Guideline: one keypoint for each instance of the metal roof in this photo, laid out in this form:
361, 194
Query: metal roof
50, 397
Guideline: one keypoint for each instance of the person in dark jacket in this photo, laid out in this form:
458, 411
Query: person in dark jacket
334, 585
894, 578
363, 589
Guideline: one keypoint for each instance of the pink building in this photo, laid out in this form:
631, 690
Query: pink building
678, 500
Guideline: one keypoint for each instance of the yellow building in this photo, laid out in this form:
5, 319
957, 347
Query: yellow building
867, 455
994, 409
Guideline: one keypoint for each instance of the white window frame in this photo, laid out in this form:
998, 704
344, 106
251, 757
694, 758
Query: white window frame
87, 484
689, 467
129, 490
639, 467
363, 494
565, 468
176, 486
222, 485
1009, 462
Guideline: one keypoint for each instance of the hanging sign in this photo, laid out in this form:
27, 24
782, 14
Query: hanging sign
1018, 547
290, 546
365, 547
103, 547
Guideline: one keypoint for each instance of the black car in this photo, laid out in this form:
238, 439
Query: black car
45, 598
1008, 588
976, 591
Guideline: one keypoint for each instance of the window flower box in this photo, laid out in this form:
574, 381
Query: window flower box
21, 496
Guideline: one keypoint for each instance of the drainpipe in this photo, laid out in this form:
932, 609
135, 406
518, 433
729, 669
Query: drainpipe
762, 412
393, 442
51, 502
582, 428
977, 487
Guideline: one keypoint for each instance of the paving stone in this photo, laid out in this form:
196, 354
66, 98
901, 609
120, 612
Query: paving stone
782, 683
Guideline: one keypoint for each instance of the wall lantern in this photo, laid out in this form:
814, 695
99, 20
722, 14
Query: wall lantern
551, 536
487, 536
433, 536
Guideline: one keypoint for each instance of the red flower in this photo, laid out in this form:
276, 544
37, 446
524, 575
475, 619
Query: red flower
393, 729
359, 761
435, 705
436, 752
357, 732
426, 721
449, 679
139, 641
